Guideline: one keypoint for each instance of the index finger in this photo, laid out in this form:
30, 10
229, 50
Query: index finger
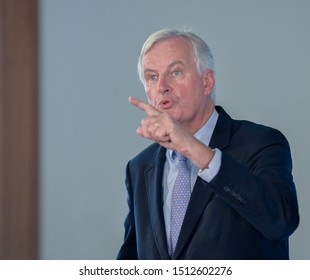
147, 108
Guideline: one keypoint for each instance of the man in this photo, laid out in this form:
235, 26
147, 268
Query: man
231, 195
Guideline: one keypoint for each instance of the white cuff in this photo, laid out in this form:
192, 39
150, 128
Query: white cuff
214, 166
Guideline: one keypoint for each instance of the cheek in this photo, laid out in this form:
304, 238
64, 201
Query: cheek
150, 97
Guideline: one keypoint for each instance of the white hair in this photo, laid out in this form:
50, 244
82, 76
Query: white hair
201, 51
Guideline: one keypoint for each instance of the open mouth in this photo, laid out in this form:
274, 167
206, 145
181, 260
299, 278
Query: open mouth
165, 104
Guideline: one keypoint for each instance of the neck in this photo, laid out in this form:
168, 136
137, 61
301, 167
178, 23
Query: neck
198, 123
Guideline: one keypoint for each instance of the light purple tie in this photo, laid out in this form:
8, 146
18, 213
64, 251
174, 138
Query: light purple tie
180, 197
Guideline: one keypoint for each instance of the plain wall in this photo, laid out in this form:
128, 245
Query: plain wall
89, 52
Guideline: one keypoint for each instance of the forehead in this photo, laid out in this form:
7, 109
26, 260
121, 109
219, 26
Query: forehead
167, 51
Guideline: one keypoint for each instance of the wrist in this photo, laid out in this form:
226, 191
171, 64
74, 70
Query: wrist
206, 166
200, 154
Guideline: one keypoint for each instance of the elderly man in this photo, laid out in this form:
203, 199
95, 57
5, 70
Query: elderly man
210, 187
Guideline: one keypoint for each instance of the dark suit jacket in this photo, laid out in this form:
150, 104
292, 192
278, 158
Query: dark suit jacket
247, 211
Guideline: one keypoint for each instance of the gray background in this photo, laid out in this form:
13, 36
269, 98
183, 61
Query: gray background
89, 52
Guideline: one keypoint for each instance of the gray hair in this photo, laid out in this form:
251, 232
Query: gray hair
201, 51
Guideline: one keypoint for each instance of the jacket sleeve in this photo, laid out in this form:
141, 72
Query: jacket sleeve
258, 185
128, 250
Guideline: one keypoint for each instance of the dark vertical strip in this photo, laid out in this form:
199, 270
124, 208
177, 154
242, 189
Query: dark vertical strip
19, 123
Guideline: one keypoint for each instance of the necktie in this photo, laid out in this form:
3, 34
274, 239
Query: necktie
180, 197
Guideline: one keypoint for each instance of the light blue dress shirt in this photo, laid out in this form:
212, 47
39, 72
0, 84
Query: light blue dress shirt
170, 169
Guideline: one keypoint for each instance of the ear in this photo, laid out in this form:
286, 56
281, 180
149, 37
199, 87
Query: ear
208, 82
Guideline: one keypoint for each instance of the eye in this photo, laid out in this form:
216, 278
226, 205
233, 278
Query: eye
176, 73
151, 77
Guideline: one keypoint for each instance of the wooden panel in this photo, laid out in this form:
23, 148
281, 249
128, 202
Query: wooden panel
18, 129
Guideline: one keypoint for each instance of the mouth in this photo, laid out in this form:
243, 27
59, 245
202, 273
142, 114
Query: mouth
165, 103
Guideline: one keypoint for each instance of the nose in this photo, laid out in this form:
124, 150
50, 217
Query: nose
163, 84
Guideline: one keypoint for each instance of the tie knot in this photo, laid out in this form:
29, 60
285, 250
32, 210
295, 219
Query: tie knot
181, 160
177, 156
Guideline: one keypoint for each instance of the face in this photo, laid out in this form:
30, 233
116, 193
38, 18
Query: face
173, 84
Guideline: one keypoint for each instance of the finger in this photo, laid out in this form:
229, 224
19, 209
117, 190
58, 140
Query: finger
147, 108
161, 136
154, 135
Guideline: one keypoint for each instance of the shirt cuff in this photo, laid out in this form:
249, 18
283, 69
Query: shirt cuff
214, 166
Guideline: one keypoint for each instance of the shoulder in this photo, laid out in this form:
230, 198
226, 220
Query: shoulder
245, 130
253, 132
244, 136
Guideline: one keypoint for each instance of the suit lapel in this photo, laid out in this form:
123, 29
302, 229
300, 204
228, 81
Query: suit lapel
222, 132
201, 193
153, 177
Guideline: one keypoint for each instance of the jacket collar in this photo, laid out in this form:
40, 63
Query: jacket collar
222, 132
